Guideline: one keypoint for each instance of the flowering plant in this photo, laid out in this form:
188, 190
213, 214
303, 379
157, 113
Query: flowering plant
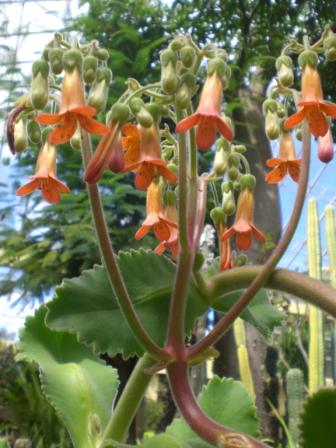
146, 302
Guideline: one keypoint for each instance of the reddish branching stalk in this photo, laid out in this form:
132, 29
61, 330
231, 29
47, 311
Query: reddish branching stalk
204, 426
270, 264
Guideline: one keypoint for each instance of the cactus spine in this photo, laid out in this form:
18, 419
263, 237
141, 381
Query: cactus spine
316, 346
242, 355
295, 398
330, 224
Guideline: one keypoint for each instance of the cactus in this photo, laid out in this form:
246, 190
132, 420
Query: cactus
316, 348
295, 399
242, 355
330, 226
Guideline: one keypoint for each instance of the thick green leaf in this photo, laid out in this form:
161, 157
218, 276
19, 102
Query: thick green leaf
318, 428
77, 384
227, 402
87, 306
158, 441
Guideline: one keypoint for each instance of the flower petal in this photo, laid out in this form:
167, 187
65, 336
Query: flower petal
64, 132
161, 231
224, 129
188, 123
294, 169
87, 111
92, 126
51, 195
318, 123
142, 232
144, 176
277, 174
228, 233
27, 188
244, 240
47, 119
273, 162
258, 234
205, 134
329, 108
168, 174
295, 119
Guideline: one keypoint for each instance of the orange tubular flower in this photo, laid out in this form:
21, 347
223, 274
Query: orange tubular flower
312, 106
143, 155
72, 109
155, 218
224, 249
45, 177
208, 115
170, 212
243, 225
285, 162
102, 155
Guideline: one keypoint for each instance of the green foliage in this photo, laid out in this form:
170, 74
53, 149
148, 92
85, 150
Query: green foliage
158, 441
70, 374
23, 405
83, 304
318, 427
227, 402
295, 397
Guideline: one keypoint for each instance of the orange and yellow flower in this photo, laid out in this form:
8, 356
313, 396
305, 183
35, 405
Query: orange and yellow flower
208, 115
143, 155
72, 110
155, 218
243, 226
285, 163
312, 107
45, 177
224, 249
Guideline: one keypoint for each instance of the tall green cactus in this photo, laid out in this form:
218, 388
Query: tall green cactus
316, 345
295, 400
330, 225
242, 355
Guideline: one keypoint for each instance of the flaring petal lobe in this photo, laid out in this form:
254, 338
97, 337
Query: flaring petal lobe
205, 134
277, 174
244, 240
187, 123
47, 119
92, 126
63, 132
295, 119
224, 129
27, 188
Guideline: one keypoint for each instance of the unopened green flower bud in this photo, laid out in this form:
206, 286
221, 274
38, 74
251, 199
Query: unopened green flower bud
308, 57
40, 67
210, 51
99, 91
102, 54
39, 84
145, 118
228, 203
34, 132
233, 173
72, 59
120, 112
155, 110
224, 144
183, 96
169, 198
220, 67
234, 160
20, 135
164, 110
272, 127
168, 57
283, 60
187, 55
56, 60
286, 75
227, 186
178, 42
269, 105
90, 64
198, 261
169, 79
298, 133
217, 215
240, 149
75, 141
247, 181
241, 260
136, 104
329, 45
220, 162
281, 112
45, 53
330, 54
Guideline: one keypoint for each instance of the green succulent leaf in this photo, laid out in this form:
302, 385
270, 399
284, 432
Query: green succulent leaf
87, 307
158, 441
76, 382
318, 427
227, 402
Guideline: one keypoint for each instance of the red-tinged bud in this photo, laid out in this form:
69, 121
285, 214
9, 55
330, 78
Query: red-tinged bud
117, 160
308, 57
90, 65
20, 135
325, 148
39, 85
55, 57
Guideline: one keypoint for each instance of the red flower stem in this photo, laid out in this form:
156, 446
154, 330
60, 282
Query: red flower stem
285, 280
204, 426
270, 264
176, 333
111, 264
